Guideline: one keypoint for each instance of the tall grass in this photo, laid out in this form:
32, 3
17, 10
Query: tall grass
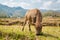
14, 33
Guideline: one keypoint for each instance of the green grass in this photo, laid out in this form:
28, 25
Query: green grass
14, 33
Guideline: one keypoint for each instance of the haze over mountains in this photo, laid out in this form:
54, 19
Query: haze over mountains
12, 11
6, 11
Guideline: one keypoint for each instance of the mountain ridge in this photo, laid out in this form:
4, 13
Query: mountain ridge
17, 11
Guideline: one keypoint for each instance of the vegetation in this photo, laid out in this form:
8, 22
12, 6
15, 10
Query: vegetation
14, 33
3, 14
20, 14
51, 14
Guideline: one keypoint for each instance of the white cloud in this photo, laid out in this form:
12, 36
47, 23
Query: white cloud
11, 0
45, 5
10, 4
27, 4
15, 4
35, 1
24, 5
48, 3
58, 1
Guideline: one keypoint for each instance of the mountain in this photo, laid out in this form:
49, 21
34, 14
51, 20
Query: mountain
6, 11
10, 11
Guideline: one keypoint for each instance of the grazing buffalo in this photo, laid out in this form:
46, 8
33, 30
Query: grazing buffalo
34, 16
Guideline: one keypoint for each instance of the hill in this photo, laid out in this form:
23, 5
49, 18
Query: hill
11, 11
6, 11
51, 13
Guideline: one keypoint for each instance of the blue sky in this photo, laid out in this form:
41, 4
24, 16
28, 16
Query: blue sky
29, 4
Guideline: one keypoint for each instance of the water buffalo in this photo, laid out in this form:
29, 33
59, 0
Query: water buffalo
34, 16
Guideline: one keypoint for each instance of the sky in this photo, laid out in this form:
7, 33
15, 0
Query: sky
30, 4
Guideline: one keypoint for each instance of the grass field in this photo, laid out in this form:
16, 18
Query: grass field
14, 32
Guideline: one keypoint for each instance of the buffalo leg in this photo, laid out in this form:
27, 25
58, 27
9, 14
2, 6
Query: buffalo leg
29, 26
24, 24
23, 27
